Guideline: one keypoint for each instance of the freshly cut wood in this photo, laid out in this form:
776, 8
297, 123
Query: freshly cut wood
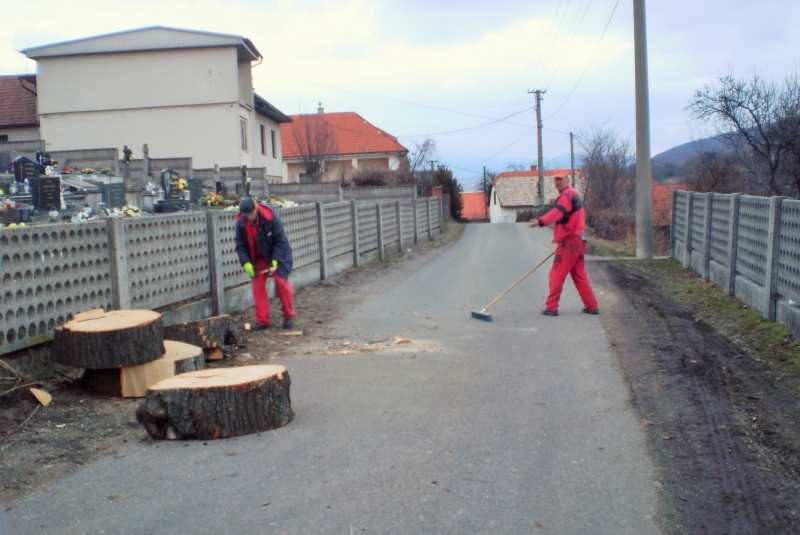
208, 332
117, 338
213, 353
91, 314
218, 403
133, 381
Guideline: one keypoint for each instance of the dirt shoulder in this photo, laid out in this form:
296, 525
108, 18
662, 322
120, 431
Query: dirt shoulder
40, 445
716, 390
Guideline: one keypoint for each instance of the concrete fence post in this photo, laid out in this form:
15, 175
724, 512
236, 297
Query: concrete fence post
399, 211
354, 224
441, 215
416, 222
379, 213
687, 251
709, 205
672, 224
215, 266
430, 222
323, 253
773, 254
118, 256
733, 243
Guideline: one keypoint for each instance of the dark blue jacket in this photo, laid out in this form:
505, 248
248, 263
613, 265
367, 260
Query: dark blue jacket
270, 239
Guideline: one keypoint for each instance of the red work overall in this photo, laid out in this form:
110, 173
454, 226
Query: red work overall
570, 219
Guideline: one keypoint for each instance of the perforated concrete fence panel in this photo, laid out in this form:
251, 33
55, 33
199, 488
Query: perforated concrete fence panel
721, 213
338, 228
50, 273
300, 225
789, 257
167, 258
436, 215
225, 230
698, 221
422, 217
367, 228
751, 256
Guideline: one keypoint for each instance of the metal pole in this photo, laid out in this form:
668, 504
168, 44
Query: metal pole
644, 199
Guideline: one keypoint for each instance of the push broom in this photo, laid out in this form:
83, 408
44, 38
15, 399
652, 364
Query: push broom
483, 315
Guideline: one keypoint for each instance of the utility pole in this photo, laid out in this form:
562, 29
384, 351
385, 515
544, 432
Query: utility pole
485, 196
572, 159
644, 172
539, 165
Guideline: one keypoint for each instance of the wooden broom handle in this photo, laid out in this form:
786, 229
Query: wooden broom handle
520, 280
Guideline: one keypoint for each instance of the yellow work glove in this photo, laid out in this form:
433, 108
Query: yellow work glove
248, 267
274, 267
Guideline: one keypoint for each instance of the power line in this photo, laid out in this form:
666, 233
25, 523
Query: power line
471, 127
587, 65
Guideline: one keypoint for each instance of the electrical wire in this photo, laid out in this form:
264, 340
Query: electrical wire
587, 65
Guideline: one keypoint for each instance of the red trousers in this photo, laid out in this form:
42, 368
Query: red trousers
569, 260
261, 295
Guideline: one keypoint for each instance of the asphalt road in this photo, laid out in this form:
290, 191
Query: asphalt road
521, 425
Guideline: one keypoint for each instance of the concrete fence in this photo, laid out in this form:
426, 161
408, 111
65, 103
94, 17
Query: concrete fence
750, 246
183, 265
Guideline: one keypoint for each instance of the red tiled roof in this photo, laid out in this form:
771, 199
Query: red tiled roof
18, 101
352, 134
662, 202
474, 206
534, 173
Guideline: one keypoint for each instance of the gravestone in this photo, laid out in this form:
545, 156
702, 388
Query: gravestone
43, 159
5, 162
25, 168
114, 195
241, 191
172, 201
195, 189
45, 192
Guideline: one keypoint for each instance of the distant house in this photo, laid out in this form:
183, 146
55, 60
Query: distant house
474, 206
346, 141
18, 118
513, 191
184, 93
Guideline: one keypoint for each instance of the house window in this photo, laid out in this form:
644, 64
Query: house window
274, 152
263, 140
243, 129
303, 178
4, 139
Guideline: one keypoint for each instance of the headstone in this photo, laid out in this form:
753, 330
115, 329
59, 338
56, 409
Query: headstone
45, 192
5, 162
169, 183
25, 168
240, 190
114, 195
43, 159
195, 189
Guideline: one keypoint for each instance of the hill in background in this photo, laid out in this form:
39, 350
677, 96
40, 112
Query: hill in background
670, 165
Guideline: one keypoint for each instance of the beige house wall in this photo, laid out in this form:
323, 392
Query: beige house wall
337, 169
20, 134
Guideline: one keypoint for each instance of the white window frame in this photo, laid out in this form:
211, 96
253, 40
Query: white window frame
243, 132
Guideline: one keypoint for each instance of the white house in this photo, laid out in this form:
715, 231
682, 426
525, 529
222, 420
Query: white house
184, 93
514, 191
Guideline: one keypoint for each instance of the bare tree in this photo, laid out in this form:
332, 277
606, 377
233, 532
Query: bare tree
608, 168
717, 172
746, 115
316, 143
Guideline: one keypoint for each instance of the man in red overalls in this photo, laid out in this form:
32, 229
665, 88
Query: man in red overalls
569, 217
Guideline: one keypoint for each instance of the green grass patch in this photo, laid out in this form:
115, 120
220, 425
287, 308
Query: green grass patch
765, 341
608, 248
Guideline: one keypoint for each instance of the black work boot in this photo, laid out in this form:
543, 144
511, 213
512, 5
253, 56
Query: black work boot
548, 312
288, 323
594, 311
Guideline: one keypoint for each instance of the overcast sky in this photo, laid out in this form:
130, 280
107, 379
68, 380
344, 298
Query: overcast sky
451, 70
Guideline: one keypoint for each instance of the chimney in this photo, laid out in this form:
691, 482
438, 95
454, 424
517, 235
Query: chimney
533, 168
320, 109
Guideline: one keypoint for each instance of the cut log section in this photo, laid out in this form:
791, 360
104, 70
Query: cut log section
218, 403
208, 332
133, 381
117, 338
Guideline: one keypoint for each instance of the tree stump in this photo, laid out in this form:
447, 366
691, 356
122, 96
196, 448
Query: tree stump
133, 381
206, 333
217, 403
117, 338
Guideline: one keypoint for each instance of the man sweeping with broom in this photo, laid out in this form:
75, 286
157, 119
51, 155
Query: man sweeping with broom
569, 217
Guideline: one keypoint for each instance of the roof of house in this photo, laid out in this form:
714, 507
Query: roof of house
352, 134
265, 108
149, 38
18, 101
516, 191
534, 173
474, 206
662, 202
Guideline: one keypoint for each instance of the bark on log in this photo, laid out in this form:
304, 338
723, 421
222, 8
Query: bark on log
208, 332
218, 403
117, 338
133, 381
